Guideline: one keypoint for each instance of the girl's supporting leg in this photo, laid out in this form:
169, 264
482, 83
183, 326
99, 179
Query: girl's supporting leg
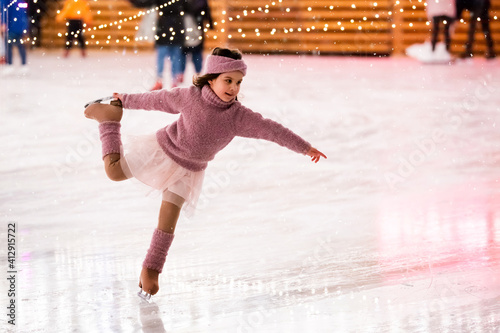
169, 213
160, 243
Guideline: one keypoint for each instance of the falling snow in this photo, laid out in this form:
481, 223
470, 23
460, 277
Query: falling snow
397, 231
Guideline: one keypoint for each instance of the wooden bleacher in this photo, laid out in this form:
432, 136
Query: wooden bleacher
350, 27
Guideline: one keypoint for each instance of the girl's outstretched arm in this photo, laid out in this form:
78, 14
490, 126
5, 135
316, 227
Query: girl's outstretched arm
170, 101
315, 154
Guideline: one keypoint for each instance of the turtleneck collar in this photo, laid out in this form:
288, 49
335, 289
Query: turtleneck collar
209, 95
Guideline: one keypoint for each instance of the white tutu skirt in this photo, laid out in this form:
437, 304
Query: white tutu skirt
146, 161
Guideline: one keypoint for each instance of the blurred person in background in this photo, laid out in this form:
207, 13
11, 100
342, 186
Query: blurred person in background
2, 46
441, 11
169, 40
78, 16
479, 9
36, 10
14, 27
196, 17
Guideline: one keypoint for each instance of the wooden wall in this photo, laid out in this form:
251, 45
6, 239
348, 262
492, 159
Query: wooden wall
377, 27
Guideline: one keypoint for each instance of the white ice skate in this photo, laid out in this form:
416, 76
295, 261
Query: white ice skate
99, 100
144, 295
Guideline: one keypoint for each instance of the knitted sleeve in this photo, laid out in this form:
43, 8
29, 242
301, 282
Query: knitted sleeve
170, 101
251, 124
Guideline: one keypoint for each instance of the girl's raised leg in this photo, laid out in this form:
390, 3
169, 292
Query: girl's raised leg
109, 117
105, 112
113, 168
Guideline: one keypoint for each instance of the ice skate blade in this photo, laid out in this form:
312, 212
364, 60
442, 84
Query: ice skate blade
99, 100
144, 295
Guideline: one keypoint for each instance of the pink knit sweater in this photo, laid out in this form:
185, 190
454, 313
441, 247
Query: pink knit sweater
207, 124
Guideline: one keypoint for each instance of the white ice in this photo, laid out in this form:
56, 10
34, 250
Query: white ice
397, 231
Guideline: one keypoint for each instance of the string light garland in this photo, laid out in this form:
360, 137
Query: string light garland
380, 16
341, 26
312, 27
244, 13
10, 4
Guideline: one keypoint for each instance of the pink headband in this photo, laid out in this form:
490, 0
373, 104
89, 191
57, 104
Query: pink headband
219, 64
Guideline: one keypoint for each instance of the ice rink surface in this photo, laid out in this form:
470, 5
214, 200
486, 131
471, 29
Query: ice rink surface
397, 231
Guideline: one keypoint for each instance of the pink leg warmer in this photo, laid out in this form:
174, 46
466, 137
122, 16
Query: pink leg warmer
110, 137
157, 253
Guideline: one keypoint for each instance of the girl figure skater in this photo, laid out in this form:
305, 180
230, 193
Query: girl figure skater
174, 159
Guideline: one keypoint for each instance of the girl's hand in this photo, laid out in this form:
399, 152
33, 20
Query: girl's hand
117, 96
315, 154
